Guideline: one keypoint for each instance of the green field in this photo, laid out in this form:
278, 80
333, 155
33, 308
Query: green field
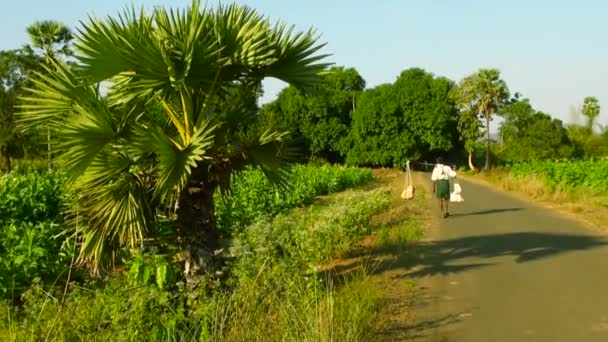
274, 246
567, 175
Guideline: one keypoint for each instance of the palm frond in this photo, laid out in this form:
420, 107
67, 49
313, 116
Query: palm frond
61, 101
295, 60
176, 158
125, 50
117, 213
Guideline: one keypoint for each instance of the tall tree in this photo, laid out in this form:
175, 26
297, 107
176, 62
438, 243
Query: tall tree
591, 110
320, 118
469, 130
201, 66
51, 40
483, 93
528, 134
410, 119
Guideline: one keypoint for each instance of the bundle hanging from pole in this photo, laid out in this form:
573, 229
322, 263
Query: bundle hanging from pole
408, 190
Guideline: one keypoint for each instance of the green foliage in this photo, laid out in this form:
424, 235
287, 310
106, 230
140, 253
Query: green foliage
591, 110
531, 135
320, 118
15, 69
118, 312
409, 119
152, 269
128, 166
484, 94
567, 175
273, 295
253, 196
30, 220
51, 38
305, 238
586, 143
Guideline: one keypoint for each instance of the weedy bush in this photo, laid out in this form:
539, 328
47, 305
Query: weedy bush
253, 196
30, 220
312, 235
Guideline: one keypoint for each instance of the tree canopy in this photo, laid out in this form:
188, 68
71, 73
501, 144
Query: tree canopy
16, 67
410, 119
483, 93
201, 66
320, 118
528, 134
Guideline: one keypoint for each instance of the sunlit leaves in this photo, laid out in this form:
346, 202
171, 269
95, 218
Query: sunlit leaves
201, 67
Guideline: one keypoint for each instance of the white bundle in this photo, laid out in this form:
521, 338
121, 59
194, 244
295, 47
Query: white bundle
455, 196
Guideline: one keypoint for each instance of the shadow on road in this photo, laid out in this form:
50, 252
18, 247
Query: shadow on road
420, 329
445, 257
487, 212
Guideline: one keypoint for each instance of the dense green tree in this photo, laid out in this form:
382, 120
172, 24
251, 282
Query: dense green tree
586, 143
201, 66
407, 120
484, 93
469, 129
318, 119
51, 41
528, 134
15, 69
587, 135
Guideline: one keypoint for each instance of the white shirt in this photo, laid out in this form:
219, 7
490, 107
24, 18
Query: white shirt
442, 172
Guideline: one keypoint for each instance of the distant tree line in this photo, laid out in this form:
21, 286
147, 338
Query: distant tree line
421, 115
417, 117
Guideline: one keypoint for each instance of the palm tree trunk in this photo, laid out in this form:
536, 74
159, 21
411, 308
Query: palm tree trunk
488, 143
197, 234
471, 165
5, 159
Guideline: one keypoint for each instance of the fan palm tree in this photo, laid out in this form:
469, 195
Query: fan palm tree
483, 93
199, 65
52, 40
591, 110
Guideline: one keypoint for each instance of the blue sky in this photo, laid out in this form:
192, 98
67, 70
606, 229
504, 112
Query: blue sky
554, 52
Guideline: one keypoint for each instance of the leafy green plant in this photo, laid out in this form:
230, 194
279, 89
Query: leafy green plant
146, 269
567, 175
276, 293
31, 246
254, 196
307, 237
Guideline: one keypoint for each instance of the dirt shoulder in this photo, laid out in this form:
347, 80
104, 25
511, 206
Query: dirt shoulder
391, 253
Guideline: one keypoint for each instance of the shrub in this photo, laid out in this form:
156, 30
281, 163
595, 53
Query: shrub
254, 197
30, 222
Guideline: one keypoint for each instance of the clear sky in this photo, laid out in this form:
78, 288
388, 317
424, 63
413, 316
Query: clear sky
554, 52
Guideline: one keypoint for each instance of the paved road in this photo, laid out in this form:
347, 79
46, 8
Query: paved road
501, 269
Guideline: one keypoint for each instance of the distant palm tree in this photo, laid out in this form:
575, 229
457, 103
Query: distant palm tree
200, 67
52, 39
591, 110
483, 93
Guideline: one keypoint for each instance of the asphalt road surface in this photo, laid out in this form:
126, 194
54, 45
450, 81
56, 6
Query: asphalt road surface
503, 269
